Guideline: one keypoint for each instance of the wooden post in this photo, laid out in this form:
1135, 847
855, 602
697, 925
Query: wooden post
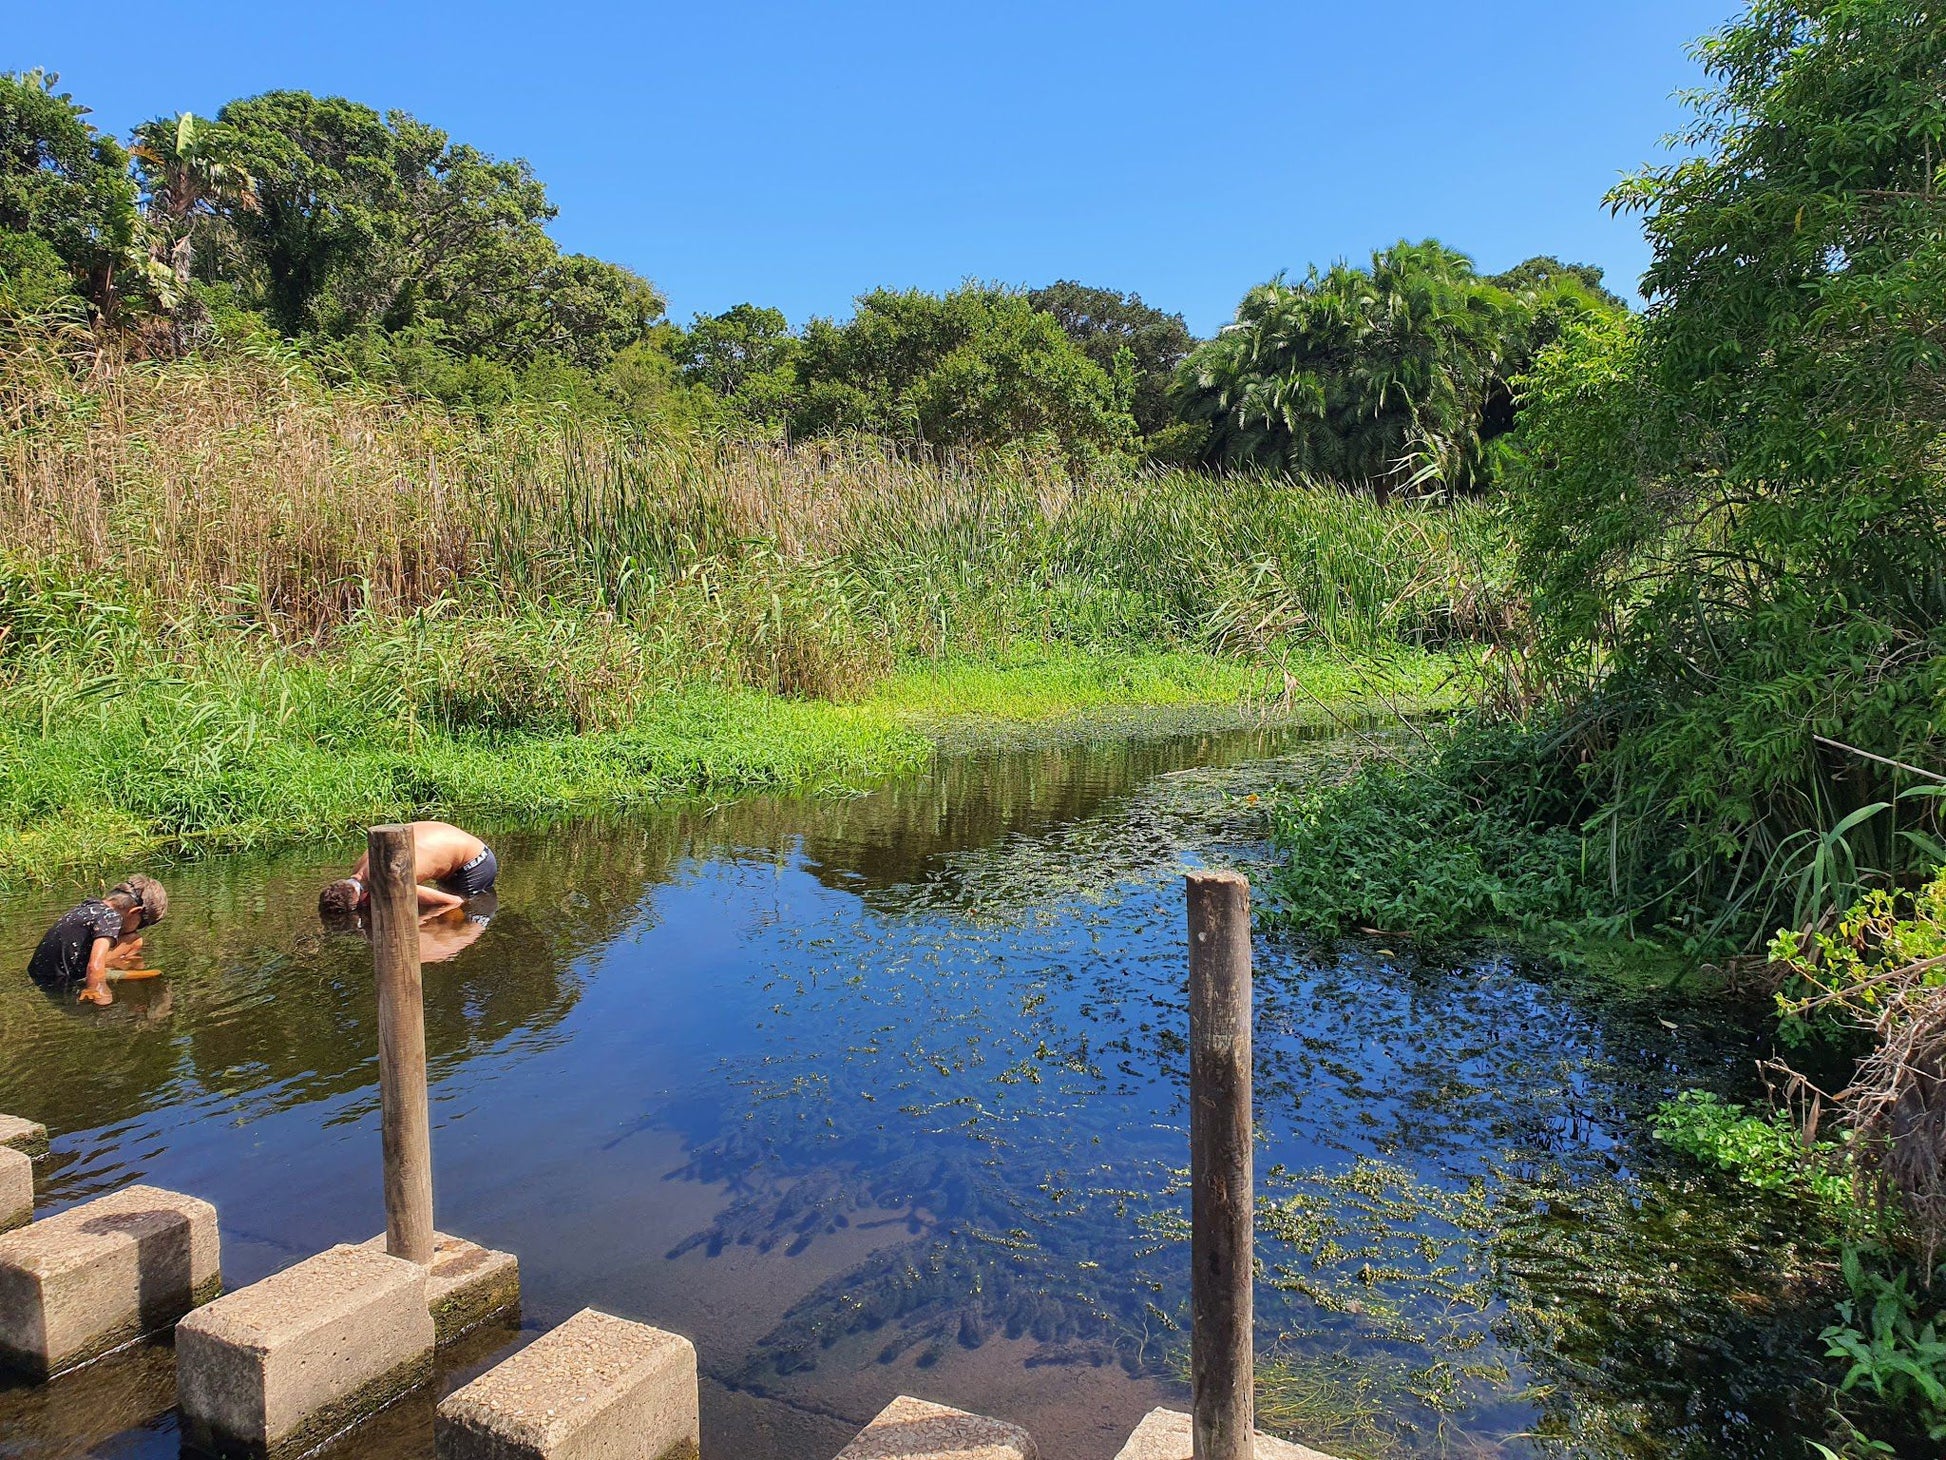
1222, 1362
401, 1044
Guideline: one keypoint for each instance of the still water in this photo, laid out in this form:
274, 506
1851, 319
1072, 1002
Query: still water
885, 1094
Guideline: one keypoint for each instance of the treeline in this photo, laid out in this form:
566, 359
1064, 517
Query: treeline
398, 256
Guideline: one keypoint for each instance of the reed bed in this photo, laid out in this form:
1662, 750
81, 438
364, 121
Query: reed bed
234, 598
242, 490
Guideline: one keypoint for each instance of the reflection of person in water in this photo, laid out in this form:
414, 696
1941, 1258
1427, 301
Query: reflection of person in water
451, 865
445, 935
99, 938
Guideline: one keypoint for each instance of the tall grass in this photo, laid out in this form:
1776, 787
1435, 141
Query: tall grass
240, 489
217, 571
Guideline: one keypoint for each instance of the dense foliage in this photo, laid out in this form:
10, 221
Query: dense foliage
399, 256
979, 366
1387, 377
1729, 514
68, 219
1106, 324
1735, 531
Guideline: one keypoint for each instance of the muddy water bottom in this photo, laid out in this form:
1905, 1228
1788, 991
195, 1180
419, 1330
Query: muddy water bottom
884, 1094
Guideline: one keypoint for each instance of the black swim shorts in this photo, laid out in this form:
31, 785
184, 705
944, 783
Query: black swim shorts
475, 877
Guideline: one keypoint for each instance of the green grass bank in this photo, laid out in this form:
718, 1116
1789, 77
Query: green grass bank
239, 605
215, 765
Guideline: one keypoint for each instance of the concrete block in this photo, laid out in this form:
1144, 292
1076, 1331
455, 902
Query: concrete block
283, 1365
913, 1429
596, 1388
97, 1276
16, 1188
1164, 1434
29, 1137
465, 1285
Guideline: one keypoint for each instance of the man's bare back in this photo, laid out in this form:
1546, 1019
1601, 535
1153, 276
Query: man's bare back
439, 849
450, 865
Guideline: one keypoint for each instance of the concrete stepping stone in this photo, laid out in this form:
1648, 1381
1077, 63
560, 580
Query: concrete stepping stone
466, 1284
29, 1137
914, 1429
285, 1364
97, 1276
596, 1388
1165, 1434
16, 1188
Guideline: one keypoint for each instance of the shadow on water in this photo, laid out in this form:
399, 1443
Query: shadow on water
884, 1094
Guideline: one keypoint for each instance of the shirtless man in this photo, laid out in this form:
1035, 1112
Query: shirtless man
451, 865
97, 936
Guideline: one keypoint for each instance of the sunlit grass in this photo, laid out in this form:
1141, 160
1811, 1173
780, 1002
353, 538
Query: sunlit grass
238, 606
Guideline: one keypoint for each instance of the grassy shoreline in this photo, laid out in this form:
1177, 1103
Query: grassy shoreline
240, 606
141, 785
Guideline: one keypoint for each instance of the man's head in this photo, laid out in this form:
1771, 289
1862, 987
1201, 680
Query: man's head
144, 896
341, 899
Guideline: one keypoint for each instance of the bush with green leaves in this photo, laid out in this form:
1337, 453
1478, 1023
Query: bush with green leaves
1428, 843
1888, 1338
1731, 512
1767, 1151
978, 367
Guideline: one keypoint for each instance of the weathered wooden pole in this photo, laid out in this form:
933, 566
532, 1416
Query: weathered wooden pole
1222, 1363
404, 1117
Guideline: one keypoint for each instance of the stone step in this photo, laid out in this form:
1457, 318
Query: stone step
596, 1388
16, 1188
915, 1429
97, 1276
1165, 1434
29, 1137
466, 1284
281, 1366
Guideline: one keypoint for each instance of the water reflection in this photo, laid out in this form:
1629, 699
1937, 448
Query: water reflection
885, 1093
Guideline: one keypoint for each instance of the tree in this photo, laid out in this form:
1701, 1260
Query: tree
1357, 375
1384, 377
1104, 323
325, 173
745, 358
65, 184
979, 366
190, 184
1733, 520
364, 221
587, 311
1544, 273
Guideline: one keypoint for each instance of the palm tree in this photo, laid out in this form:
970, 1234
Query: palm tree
187, 179
1365, 376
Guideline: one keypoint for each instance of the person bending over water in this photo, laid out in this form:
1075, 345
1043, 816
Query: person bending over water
99, 936
451, 865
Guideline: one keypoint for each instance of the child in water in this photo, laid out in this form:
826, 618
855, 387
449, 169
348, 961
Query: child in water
99, 935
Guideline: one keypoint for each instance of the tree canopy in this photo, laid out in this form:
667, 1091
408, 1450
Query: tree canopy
1104, 323
67, 202
362, 220
1383, 377
979, 366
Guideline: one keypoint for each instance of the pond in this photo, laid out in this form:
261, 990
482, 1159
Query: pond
885, 1094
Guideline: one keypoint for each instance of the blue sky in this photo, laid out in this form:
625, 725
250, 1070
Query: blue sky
797, 155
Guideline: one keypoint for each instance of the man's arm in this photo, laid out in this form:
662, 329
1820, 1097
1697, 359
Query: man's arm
432, 900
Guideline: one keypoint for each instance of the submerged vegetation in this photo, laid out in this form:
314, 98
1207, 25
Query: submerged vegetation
326, 500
